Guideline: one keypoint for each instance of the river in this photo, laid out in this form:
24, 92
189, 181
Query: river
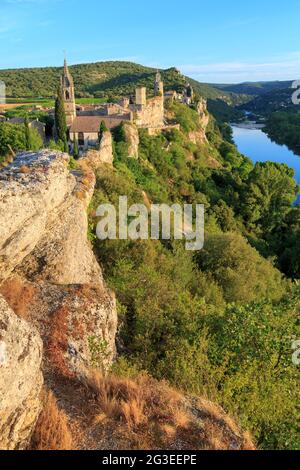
256, 145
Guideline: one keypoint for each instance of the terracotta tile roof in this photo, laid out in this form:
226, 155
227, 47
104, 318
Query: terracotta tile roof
92, 123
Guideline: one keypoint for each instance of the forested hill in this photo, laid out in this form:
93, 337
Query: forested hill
254, 88
98, 80
273, 101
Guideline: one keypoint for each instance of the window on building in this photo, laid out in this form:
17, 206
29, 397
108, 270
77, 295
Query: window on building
80, 138
67, 95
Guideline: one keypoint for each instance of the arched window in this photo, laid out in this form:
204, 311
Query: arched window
67, 95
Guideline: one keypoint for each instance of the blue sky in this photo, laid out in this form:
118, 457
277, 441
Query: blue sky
216, 41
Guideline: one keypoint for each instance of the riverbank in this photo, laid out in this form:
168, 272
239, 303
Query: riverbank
255, 144
248, 125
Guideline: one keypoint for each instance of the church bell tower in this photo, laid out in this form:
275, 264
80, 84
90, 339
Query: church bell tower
67, 84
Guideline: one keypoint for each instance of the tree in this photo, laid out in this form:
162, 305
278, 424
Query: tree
102, 129
60, 118
243, 274
27, 134
75, 148
271, 190
14, 136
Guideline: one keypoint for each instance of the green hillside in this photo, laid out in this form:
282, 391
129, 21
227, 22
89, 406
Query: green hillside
100, 79
254, 88
273, 101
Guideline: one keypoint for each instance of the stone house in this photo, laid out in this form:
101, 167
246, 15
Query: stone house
86, 129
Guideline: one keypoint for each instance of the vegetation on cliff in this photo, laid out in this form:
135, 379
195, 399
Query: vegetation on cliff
18, 138
220, 322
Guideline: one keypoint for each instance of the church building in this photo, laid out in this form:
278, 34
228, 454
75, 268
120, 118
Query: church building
84, 121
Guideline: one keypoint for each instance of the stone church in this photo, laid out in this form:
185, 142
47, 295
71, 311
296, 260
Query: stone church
84, 121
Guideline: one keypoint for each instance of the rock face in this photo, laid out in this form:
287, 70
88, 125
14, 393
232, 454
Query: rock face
43, 224
77, 323
20, 379
132, 139
49, 276
32, 189
199, 137
104, 155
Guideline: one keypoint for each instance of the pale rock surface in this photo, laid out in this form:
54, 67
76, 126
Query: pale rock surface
132, 139
44, 245
95, 158
63, 254
31, 188
78, 323
20, 379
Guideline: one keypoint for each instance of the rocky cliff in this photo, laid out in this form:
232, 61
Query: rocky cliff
21, 379
50, 277
132, 139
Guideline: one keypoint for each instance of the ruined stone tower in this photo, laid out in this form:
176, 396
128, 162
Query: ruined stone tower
141, 97
68, 90
159, 85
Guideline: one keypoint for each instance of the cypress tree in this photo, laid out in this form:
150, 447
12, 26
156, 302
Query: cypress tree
27, 134
75, 148
60, 118
102, 129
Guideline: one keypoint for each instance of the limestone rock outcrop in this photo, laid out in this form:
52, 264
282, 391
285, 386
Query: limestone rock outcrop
21, 379
32, 189
77, 323
43, 224
104, 154
132, 139
50, 277
199, 137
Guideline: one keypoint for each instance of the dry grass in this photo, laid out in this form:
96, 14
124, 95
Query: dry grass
147, 414
52, 429
58, 341
19, 295
142, 407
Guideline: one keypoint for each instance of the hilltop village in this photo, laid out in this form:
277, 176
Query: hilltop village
84, 122
145, 109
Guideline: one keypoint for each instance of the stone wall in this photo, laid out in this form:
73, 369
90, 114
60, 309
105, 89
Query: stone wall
152, 114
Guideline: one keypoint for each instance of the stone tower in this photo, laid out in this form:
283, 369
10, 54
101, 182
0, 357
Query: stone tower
141, 97
68, 91
159, 85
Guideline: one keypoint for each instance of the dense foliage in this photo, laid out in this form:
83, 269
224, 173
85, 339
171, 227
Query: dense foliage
284, 128
219, 322
18, 137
